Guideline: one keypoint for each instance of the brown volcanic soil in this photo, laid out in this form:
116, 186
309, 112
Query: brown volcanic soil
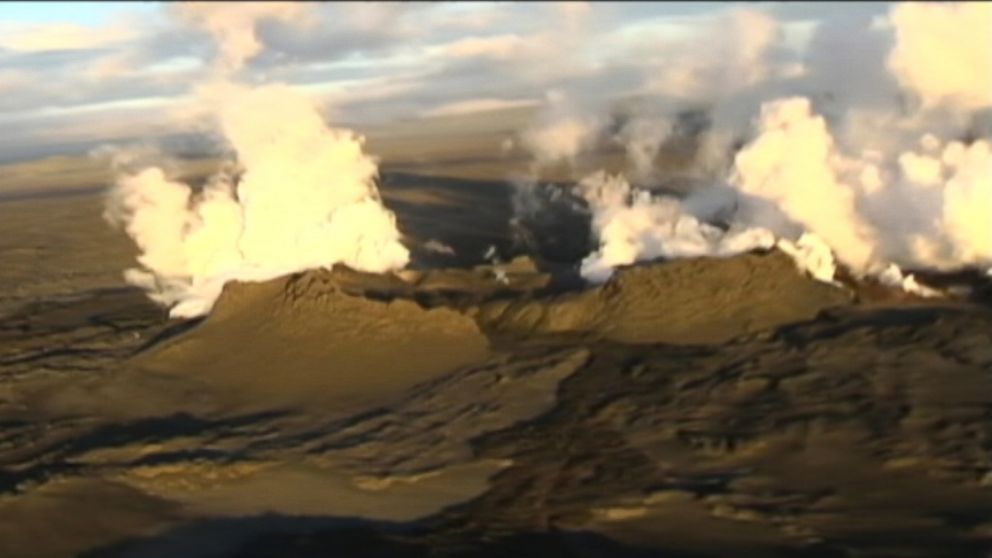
691, 408
300, 339
338, 412
681, 302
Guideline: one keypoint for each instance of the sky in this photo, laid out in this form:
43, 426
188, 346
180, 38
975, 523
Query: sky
75, 74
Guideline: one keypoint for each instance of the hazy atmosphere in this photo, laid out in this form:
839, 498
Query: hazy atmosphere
489, 279
78, 73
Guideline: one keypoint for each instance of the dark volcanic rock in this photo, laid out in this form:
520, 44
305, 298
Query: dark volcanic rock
690, 408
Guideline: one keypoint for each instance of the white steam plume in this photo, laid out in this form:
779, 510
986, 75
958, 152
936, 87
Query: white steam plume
734, 51
233, 25
838, 171
302, 195
943, 52
562, 133
787, 178
633, 225
642, 139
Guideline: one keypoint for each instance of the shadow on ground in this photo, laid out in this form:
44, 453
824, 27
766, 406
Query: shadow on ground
278, 536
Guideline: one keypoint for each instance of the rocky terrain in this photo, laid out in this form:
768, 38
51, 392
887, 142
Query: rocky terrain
700, 407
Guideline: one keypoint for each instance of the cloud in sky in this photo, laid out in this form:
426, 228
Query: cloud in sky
478, 105
370, 61
62, 36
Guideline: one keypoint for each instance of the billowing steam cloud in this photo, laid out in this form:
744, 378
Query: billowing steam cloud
869, 148
233, 25
633, 225
879, 180
563, 133
942, 52
302, 195
786, 177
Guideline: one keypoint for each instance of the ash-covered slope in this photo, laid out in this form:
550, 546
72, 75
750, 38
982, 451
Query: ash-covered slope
702, 300
302, 339
863, 432
688, 408
689, 301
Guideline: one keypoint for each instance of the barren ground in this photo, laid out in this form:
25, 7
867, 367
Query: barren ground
691, 408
